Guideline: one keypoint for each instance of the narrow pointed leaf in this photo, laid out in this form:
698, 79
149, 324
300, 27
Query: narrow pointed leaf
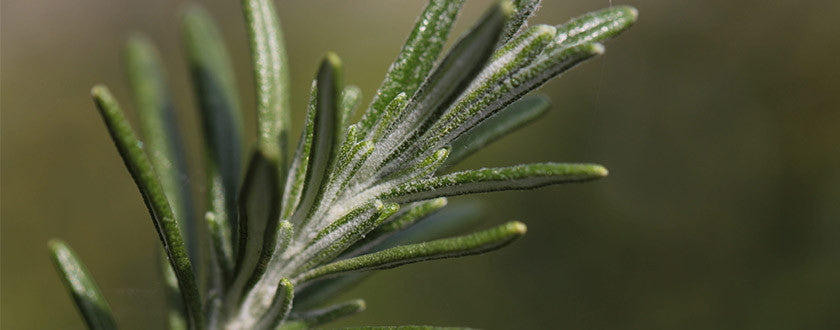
159, 128
271, 75
140, 167
523, 9
596, 26
512, 117
328, 314
268, 313
499, 91
176, 313
417, 57
300, 163
259, 213
220, 112
449, 78
326, 135
351, 97
476, 243
399, 221
450, 221
494, 179
85, 292
341, 234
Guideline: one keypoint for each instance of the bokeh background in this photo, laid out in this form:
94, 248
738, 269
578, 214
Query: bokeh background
719, 121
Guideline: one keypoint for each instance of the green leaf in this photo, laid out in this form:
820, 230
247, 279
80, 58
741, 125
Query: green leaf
325, 139
308, 319
85, 292
416, 58
254, 313
349, 102
144, 176
512, 117
508, 84
220, 112
271, 75
176, 314
523, 9
404, 228
342, 233
494, 179
300, 163
159, 127
596, 26
461, 64
259, 213
476, 243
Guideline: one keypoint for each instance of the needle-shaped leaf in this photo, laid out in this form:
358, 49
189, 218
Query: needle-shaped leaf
85, 292
159, 128
417, 57
271, 75
351, 97
259, 213
596, 26
461, 64
220, 113
326, 136
399, 221
448, 222
300, 163
144, 176
266, 313
476, 243
523, 9
498, 90
512, 117
176, 314
309, 319
494, 179
344, 232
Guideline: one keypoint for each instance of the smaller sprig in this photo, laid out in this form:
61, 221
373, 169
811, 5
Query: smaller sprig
305, 224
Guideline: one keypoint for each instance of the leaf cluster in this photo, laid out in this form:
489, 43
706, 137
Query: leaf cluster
304, 223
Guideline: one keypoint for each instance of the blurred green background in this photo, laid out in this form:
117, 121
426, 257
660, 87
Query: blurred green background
719, 121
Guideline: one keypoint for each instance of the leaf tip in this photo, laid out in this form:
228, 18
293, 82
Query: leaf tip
517, 229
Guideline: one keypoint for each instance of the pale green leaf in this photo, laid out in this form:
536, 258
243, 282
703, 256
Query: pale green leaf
85, 292
494, 179
271, 77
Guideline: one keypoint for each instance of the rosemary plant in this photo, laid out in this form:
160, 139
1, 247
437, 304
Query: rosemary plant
307, 222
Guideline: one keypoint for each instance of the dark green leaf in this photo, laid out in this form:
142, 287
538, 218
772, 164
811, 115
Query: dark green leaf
417, 57
326, 136
259, 214
512, 117
140, 167
220, 113
476, 243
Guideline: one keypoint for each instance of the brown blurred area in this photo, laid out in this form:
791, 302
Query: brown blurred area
719, 121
